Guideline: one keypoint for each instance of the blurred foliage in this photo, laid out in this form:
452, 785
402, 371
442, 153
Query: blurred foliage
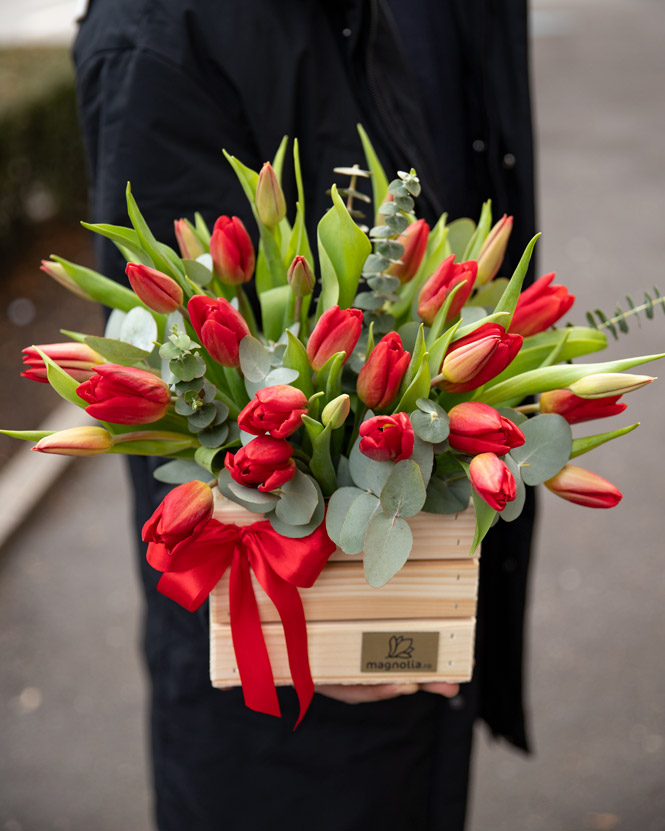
42, 168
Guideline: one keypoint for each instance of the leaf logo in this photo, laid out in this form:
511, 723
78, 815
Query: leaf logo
400, 647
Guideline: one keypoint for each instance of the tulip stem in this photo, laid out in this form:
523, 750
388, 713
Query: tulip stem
183, 311
437, 380
527, 408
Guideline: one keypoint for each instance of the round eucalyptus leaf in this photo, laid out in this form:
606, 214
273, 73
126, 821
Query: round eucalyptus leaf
236, 493
429, 406
404, 492
139, 328
368, 301
188, 367
281, 375
179, 471
546, 450
388, 544
183, 408
398, 222
213, 436
512, 415
430, 427
354, 528
366, 473
447, 496
375, 264
222, 411
203, 417
254, 359
198, 272
298, 500
405, 203
391, 249
300, 531
338, 508
514, 509
384, 283
423, 456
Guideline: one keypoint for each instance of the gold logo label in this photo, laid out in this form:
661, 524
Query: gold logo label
399, 652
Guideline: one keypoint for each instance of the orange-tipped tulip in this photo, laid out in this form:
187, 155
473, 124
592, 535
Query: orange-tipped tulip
414, 241
576, 410
76, 441
188, 243
125, 395
380, 378
472, 360
77, 359
181, 517
58, 273
540, 306
232, 251
447, 276
493, 250
609, 383
270, 202
157, 290
584, 488
492, 480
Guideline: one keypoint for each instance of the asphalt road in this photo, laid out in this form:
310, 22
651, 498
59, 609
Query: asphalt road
71, 688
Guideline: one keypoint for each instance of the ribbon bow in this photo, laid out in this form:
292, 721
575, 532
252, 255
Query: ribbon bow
280, 565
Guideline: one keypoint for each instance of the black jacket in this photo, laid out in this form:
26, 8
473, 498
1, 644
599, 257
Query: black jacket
163, 86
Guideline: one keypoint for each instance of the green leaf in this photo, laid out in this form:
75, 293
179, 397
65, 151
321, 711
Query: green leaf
298, 500
343, 249
197, 272
27, 435
188, 367
484, 519
439, 321
329, 377
298, 240
388, 543
439, 349
201, 418
546, 449
447, 496
207, 457
480, 234
587, 443
514, 509
489, 295
460, 232
295, 357
338, 507
180, 471
254, 359
213, 436
511, 295
366, 473
247, 177
356, 522
379, 178
125, 239
430, 427
275, 304
404, 492
423, 456
418, 388
62, 382
116, 351
169, 264
278, 161
417, 355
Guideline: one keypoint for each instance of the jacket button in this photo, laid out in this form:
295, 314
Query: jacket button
347, 33
479, 146
509, 161
510, 565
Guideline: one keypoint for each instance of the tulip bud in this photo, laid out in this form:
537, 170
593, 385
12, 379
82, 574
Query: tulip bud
478, 428
414, 241
270, 202
335, 412
492, 480
265, 463
608, 383
447, 276
125, 395
76, 441
158, 291
576, 410
300, 277
475, 359
493, 250
380, 378
540, 306
181, 517
584, 488
188, 243
59, 274
387, 438
276, 411
219, 327
338, 330
232, 251
77, 359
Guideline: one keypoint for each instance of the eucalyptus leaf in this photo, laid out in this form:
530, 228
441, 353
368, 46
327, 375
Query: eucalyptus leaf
404, 491
384, 283
338, 508
300, 531
117, 351
358, 517
514, 509
388, 543
366, 473
423, 456
188, 367
512, 415
430, 427
180, 471
139, 329
375, 264
298, 500
546, 449
197, 271
368, 301
202, 417
213, 436
447, 496
254, 359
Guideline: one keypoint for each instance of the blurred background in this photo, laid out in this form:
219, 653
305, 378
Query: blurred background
72, 687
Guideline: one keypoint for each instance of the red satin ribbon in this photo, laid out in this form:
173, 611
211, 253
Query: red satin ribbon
280, 565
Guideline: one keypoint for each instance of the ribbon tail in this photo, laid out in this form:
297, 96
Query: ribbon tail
251, 653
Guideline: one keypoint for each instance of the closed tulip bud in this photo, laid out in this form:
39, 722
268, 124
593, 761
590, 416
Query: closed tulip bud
540, 306
300, 277
380, 378
219, 326
576, 410
475, 359
265, 463
232, 251
181, 517
338, 330
76, 441
584, 488
493, 250
478, 428
276, 411
609, 383
58, 273
77, 360
270, 202
414, 241
387, 438
158, 291
447, 276
125, 395
335, 412
188, 243
492, 480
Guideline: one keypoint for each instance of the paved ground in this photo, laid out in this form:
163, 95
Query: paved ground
71, 691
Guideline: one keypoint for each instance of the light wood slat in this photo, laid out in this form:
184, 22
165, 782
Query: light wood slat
335, 649
422, 589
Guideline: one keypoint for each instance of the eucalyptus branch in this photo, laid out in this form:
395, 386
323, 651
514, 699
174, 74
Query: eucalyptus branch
620, 320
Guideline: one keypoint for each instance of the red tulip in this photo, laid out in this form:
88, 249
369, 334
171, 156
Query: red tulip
338, 330
414, 240
475, 359
76, 441
479, 428
181, 517
448, 275
387, 438
158, 291
492, 480
219, 326
276, 411
232, 251
493, 250
188, 243
125, 395
270, 202
584, 488
265, 463
576, 410
382, 374
77, 359
540, 306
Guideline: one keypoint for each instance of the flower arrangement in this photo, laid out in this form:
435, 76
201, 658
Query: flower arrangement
404, 386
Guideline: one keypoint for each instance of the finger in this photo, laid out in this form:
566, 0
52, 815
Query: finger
441, 688
365, 693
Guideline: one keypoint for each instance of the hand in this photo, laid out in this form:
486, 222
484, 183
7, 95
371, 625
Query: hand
365, 693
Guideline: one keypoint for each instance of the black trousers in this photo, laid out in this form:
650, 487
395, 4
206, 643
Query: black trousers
398, 765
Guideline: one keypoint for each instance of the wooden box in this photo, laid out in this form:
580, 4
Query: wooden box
418, 627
